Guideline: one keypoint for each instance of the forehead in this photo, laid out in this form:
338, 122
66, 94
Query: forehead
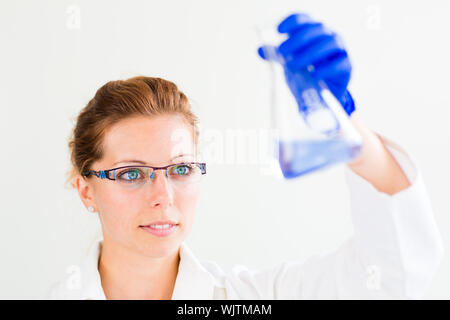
154, 139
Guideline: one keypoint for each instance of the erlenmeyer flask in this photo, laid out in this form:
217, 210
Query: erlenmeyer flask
313, 130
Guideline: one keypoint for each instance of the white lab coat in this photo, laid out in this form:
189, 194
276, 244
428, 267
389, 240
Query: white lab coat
394, 252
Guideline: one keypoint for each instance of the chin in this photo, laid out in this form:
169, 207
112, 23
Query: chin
159, 247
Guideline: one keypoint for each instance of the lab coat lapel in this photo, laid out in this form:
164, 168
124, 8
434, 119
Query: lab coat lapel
193, 280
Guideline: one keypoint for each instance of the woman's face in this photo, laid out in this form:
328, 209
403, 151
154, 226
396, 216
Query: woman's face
155, 141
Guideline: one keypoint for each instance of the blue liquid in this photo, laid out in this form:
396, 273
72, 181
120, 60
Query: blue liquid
300, 157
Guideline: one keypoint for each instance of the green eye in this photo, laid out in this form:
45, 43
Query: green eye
130, 175
182, 170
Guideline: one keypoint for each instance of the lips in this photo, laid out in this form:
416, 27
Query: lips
160, 223
160, 228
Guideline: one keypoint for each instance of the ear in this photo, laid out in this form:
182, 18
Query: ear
85, 191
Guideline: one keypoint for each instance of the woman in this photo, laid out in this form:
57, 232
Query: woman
145, 214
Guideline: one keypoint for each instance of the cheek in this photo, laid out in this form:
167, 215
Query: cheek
117, 211
186, 202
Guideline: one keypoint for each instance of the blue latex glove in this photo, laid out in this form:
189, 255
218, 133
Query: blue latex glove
310, 43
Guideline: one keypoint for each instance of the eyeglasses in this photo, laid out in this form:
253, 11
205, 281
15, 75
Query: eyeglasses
136, 176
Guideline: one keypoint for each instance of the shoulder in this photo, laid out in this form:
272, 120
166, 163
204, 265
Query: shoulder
80, 281
66, 288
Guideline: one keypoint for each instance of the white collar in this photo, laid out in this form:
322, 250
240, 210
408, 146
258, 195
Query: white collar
193, 281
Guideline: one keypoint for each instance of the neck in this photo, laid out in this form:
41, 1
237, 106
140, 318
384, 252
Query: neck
127, 274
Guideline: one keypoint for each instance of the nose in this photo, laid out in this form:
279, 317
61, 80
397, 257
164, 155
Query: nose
161, 192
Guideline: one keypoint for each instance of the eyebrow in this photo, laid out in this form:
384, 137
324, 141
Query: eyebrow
143, 162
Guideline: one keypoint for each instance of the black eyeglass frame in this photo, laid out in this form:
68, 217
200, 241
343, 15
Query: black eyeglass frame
102, 174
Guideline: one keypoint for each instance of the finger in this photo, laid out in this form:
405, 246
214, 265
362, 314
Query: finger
269, 53
302, 37
261, 53
332, 66
293, 21
320, 49
336, 87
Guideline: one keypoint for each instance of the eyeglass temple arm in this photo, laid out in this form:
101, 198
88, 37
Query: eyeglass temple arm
102, 174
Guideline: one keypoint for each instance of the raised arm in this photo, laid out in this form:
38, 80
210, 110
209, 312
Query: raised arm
376, 164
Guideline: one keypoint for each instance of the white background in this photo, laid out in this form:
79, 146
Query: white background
56, 54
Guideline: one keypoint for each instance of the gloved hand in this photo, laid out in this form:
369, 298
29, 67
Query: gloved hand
310, 43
